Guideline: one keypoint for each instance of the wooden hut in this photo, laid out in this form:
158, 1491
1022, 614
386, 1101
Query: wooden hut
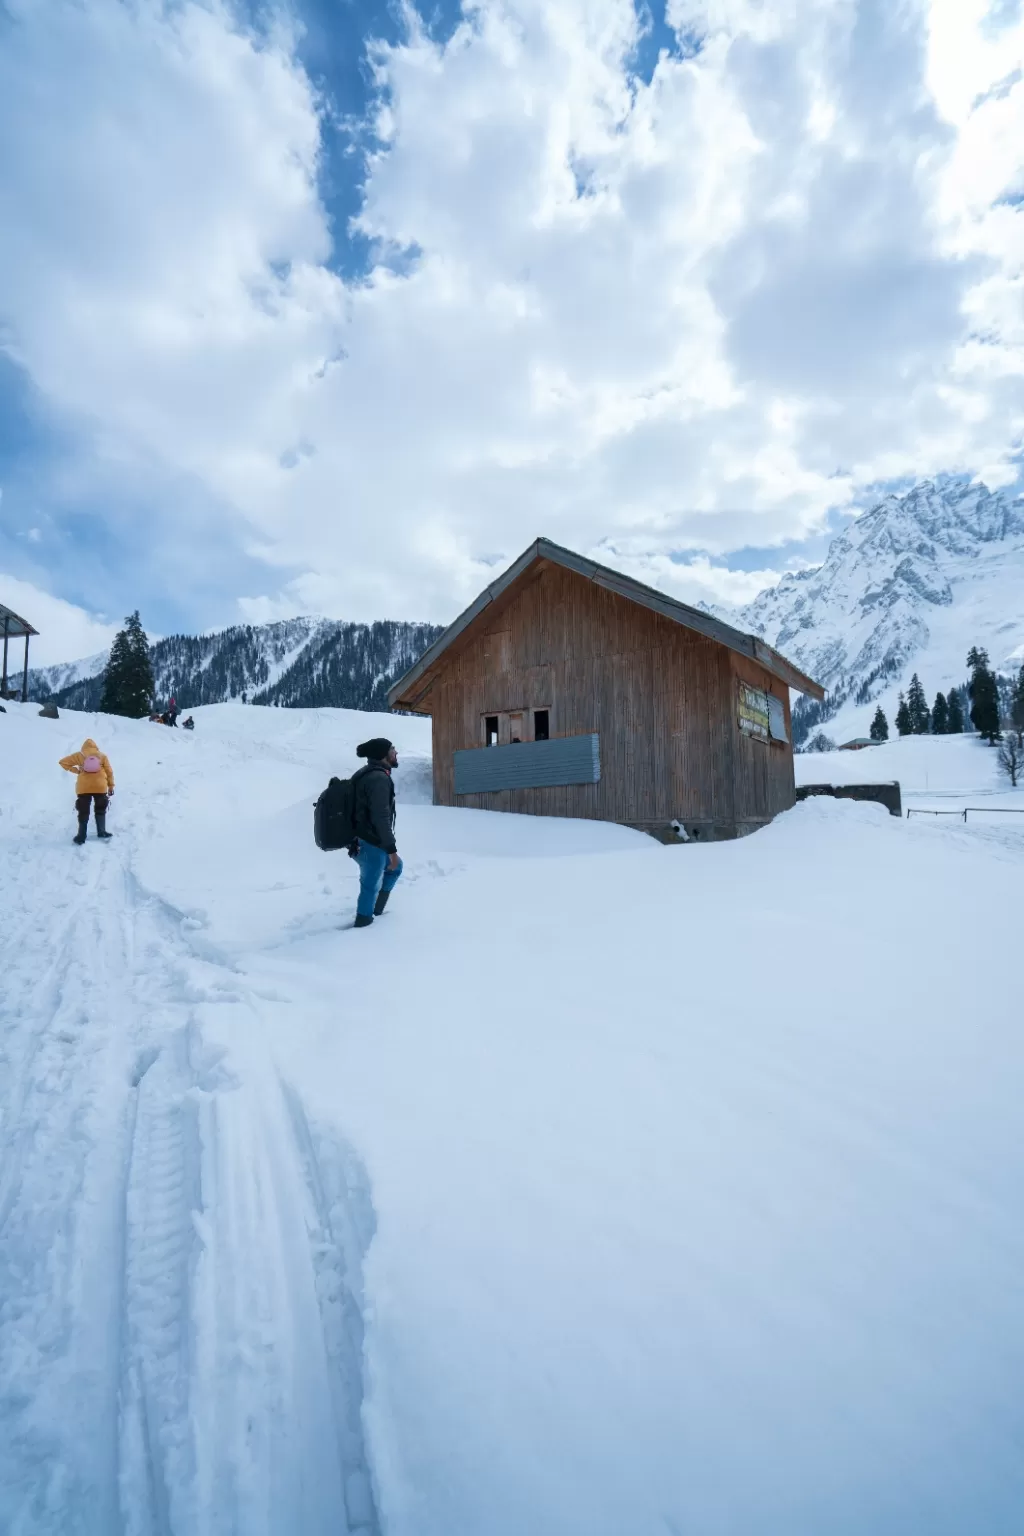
12, 627
567, 689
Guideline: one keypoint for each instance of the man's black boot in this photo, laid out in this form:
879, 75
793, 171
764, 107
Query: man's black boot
80, 835
101, 824
361, 921
380, 903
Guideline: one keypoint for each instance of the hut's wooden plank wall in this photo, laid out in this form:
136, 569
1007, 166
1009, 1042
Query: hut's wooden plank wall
662, 698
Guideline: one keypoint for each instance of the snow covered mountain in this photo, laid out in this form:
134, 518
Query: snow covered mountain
53, 680
910, 586
301, 662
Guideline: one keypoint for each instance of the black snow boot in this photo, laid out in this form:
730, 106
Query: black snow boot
80, 834
380, 903
361, 921
101, 825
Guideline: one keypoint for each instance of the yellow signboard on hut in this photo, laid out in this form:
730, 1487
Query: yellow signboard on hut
753, 712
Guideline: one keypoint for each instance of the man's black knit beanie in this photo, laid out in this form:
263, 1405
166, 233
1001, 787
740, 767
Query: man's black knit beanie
375, 750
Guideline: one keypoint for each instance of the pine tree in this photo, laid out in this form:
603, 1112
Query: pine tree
879, 726
128, 679
954, 713
917, 707
1017, 705
904, 724
940, 715
983, 692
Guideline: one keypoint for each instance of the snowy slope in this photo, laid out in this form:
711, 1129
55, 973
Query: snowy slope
541, 1206
910, 586
954, 765
53, 679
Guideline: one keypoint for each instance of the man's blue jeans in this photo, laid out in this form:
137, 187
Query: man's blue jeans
374, 876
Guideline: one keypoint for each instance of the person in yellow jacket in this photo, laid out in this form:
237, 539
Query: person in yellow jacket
93, 787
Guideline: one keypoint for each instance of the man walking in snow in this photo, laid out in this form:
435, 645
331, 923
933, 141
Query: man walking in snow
93, 787
374, 849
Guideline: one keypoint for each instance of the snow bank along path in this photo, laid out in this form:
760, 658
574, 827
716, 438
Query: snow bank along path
180, 1323
598, 1188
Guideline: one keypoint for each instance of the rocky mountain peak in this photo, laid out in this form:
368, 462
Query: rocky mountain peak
910, 585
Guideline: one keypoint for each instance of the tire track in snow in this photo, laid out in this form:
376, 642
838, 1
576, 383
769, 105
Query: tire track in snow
241, 1371
180, 1255
62, 1130
341, 1230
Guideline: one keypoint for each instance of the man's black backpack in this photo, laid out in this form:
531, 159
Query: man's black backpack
334, 815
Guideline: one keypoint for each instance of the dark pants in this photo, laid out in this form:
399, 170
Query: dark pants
82, 807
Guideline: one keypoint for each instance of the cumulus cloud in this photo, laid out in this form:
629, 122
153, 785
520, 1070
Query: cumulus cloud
658, 321
66, 632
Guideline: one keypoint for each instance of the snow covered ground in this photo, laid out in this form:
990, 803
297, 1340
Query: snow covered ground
939, 776
599, 1188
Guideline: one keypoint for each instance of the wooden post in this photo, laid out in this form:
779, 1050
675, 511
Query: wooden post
3, 683
24, 675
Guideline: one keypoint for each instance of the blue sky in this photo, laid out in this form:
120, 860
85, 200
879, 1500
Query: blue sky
329, 308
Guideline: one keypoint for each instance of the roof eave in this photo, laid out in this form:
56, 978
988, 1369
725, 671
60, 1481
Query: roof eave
785, 670
402, 694
6, 616
406, 683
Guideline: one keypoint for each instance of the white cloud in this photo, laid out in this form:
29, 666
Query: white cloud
678, 317
66, 632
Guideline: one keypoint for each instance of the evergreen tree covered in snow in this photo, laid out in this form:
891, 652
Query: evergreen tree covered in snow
983, 692
954, 713
940, 715
128, 679
917, 706
879, 726
904, 724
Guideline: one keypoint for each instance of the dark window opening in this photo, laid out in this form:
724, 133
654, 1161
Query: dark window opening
540, 725
491, 730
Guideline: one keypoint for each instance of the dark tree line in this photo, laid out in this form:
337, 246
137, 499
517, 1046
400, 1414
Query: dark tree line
979, 700
351, 666
333, 665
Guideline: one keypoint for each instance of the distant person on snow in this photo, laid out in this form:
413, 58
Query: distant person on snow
93, 788
172, 711
188, 725
374, 848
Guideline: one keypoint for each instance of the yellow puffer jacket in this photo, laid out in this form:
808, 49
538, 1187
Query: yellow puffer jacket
99, 783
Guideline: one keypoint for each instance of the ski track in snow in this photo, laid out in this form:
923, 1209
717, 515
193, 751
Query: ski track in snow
180, 1248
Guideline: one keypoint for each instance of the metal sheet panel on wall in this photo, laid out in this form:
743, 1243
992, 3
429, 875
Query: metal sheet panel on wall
528, 765
776, 719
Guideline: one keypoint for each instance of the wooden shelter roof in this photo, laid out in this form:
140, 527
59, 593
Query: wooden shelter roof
405, 693
13, 625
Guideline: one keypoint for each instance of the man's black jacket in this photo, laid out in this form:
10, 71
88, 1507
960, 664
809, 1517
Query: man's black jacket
375, 806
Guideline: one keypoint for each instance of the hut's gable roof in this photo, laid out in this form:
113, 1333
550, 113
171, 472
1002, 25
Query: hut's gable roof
405, 692
13, 625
